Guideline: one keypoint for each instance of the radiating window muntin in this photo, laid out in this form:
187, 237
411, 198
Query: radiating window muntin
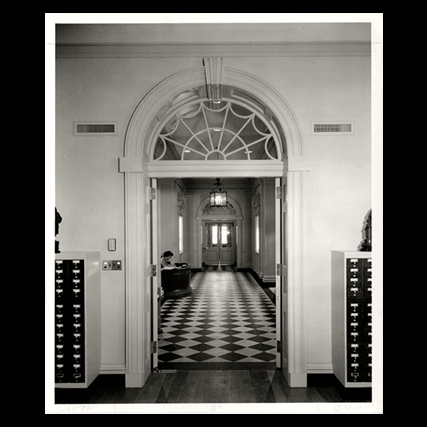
225, 129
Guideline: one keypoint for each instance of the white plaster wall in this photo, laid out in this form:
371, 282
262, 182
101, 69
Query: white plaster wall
337, 190
89, 190
90, 193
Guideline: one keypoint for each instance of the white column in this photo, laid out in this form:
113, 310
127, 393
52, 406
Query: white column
138, 291
296, 370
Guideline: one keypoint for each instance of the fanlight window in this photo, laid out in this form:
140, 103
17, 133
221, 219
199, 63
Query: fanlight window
216, 130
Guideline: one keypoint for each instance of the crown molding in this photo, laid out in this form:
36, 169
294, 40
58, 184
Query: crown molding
203, 50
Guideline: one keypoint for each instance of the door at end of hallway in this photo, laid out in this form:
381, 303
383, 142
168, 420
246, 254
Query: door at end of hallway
219, 243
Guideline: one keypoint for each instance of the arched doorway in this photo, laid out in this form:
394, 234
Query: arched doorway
211, 223
140, 164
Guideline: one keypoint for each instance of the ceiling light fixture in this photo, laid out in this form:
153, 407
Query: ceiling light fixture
218, 196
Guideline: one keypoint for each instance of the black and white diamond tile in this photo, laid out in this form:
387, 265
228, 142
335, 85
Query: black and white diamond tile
227, 318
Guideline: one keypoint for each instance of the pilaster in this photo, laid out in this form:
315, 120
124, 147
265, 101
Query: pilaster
296, 370
138, 292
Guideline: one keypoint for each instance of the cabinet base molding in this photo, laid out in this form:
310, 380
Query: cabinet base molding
320, 368
113, 369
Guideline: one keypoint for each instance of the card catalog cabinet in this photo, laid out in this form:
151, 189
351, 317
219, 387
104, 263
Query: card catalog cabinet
77, 319
352, 317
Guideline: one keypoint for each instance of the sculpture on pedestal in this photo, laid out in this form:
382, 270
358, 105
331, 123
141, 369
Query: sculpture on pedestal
58, 220
366, 244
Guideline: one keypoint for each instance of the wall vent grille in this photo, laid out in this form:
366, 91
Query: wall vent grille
323, 128
95, 128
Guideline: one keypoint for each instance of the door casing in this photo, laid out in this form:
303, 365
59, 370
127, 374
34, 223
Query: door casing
137, 168
219, 254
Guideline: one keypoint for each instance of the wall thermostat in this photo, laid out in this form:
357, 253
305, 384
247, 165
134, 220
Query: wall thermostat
111, 244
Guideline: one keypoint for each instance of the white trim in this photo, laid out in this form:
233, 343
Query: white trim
134, 380
113, 369
187, 50
139, 141
137, 282
155, 280
138, 294
296, 379
269, 279
296, 290
319, 368
203, 149
278, 278
221, 169
132, 164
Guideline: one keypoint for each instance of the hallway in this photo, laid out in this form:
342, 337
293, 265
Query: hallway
228, 322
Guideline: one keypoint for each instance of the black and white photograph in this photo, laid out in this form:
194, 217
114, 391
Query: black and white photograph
217, 187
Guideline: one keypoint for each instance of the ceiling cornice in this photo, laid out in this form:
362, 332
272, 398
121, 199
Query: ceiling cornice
186, 50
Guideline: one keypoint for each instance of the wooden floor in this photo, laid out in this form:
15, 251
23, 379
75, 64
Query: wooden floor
234, 368
207, 386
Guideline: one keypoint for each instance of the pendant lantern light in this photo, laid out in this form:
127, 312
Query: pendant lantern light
218, 196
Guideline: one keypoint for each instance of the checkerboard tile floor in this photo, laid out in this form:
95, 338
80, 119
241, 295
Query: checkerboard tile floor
227, 318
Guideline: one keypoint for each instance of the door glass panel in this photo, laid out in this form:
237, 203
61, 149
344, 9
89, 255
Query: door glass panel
226, 235
214, 234
220, 241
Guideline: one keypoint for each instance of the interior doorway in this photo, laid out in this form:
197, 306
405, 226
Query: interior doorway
219, 240
139, 164
230, 320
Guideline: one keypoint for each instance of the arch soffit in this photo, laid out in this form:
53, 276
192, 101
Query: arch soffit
142, 124
205, 201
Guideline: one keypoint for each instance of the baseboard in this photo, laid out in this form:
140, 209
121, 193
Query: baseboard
319, 368
112, 369
312, 368
262, 279
295, 379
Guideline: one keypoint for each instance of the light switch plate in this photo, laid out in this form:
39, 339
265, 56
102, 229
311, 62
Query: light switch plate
116, 265
111, 244
106, 265
111, 265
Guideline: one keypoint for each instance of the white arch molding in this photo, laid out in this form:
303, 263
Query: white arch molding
138, 170
141, 123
